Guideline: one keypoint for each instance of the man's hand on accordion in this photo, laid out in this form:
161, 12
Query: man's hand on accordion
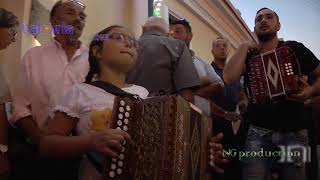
232, 116
216, 153
109, 142
306, 92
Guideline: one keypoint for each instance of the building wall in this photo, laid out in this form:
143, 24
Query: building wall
210, 19
203, 35
10, 57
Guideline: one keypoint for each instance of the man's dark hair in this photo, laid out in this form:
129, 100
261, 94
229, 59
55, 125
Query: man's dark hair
183, 22
7, 19
61, 2
269, 9
54, 9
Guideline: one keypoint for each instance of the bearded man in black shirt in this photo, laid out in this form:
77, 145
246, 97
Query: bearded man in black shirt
278, 132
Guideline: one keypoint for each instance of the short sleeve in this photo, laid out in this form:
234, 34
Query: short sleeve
307, 60
142, 92
4, 90
137, 90
185, 74
69, 103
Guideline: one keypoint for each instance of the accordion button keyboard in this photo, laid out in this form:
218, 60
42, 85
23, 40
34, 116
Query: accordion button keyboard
118, 128
128, 108
122, 103
121, 109
120, 116
126, 121
120, 163
119, 171
121, 156
126, 114
112, 174
113, 166
119, 122
125, 128
114, 160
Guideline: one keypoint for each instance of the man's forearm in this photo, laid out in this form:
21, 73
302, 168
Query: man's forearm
217, 110
316, 88
235, 67
204, 81
30, 128
64, 147
3, 125
211, 91
187, 95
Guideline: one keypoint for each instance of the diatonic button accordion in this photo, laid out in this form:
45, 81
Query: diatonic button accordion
273, 76
170, 138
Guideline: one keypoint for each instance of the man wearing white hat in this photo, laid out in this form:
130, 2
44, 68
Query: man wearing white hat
164, 65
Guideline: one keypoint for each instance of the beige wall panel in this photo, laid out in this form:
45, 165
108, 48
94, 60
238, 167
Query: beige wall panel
203, 35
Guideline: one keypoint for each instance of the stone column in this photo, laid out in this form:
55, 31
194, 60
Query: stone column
139, 14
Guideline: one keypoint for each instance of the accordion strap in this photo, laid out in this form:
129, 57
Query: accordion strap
110, 88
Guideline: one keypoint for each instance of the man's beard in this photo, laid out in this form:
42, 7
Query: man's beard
74, 37
265, 37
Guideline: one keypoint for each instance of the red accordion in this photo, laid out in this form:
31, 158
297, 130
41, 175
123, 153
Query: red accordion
170, 138
273, 76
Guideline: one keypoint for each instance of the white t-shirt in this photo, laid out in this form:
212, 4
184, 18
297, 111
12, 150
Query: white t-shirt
92, 105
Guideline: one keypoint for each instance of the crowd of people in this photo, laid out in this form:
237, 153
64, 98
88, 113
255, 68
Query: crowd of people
56, 104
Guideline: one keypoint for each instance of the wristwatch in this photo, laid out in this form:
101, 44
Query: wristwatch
3, 149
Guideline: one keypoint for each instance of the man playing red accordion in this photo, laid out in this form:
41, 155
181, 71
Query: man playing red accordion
277, 125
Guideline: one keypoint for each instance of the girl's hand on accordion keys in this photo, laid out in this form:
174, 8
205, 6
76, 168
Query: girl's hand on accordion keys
109, 142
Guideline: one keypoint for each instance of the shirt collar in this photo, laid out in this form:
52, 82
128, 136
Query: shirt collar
215, 66
58, 45
153, 33
193, 54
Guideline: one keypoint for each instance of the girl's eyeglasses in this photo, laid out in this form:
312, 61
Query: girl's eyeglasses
120, 37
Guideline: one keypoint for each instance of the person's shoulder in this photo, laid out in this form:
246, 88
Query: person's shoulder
175, 44
86, 88
298, 48
38, 50
139, 90
293, 44
173, 41
202, 61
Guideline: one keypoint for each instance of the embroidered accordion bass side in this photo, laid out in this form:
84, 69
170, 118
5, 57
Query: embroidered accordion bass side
273, 76
170, 138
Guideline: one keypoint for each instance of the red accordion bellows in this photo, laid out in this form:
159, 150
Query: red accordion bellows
273, 75
169, 137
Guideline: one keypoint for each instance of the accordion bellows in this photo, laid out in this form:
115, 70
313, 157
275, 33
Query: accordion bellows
169, 136
272, 76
